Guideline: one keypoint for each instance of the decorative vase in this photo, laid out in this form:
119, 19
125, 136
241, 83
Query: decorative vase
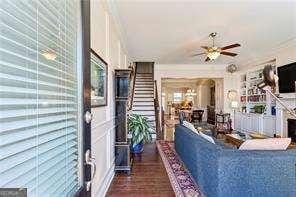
138, 148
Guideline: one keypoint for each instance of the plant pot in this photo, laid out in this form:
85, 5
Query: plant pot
137, 148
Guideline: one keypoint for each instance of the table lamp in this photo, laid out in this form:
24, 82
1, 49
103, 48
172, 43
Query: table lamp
233, 105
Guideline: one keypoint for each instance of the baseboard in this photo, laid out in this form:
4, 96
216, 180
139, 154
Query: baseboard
106, 182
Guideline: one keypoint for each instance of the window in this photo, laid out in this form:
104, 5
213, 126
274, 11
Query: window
38, 97
177, 97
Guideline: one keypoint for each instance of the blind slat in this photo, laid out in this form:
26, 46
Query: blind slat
33, 81
24, 145
22, 124
20, 135
16, 90
17, 35
45, 111
4, 51
27, 155
32, 28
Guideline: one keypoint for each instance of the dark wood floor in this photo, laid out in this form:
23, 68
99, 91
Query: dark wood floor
148, 177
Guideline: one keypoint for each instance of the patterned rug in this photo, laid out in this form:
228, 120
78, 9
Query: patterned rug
181, 180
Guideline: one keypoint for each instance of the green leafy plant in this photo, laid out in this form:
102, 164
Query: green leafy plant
139, 128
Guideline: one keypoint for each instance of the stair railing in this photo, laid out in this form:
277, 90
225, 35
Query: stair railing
132, 86
157, 112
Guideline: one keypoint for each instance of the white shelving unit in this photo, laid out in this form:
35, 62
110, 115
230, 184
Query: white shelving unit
250, 95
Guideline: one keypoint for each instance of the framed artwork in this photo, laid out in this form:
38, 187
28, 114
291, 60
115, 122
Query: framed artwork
99, 80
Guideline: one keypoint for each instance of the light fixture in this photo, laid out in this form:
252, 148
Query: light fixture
213, 53
190, 92
234, 105
49, 54
232, 95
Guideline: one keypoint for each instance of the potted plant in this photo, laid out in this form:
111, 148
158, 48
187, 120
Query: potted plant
140, 131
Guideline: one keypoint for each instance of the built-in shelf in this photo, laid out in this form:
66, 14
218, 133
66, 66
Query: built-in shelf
250, 95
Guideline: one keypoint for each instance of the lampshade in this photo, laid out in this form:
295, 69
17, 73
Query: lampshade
234, 104
232, 95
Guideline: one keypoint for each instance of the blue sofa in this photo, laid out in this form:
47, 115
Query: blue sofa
227, 172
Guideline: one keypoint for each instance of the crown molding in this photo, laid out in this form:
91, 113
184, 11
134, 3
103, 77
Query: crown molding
195, 67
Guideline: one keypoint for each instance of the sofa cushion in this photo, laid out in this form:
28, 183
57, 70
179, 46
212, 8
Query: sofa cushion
209, 138
266, 144
190, 126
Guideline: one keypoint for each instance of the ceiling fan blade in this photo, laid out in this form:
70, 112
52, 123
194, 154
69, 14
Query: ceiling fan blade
204, 47
207, 59
230, 46
228, 53
197, 54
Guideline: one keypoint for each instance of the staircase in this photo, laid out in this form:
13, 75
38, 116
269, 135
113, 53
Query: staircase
143, 101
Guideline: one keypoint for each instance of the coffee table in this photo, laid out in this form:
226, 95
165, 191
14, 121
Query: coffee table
237, 140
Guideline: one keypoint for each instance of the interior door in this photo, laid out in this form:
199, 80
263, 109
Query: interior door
88, 164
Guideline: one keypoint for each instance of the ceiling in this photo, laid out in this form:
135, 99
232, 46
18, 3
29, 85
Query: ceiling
170, 31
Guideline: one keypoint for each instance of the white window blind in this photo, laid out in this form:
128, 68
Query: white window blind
38, 96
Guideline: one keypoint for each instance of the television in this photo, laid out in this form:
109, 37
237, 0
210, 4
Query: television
287, 78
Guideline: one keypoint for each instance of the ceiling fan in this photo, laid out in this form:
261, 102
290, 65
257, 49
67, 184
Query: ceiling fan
213, 52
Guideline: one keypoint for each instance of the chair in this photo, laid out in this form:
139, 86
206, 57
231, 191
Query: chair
223, 124
197, 115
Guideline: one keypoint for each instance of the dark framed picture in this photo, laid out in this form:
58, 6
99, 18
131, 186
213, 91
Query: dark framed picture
99, 80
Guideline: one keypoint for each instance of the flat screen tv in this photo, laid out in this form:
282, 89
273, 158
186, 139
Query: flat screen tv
287, 78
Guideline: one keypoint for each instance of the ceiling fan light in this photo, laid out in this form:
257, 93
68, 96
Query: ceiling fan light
213, 55
49, 54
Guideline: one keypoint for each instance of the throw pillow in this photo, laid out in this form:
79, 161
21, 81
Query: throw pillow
266, 144
189, 126
209, 138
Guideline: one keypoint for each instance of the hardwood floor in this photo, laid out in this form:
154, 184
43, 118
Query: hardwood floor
148, 177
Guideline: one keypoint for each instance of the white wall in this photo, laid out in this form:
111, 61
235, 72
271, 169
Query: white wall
228, 81
106, 42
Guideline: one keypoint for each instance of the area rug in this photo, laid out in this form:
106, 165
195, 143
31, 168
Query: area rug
181, 180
